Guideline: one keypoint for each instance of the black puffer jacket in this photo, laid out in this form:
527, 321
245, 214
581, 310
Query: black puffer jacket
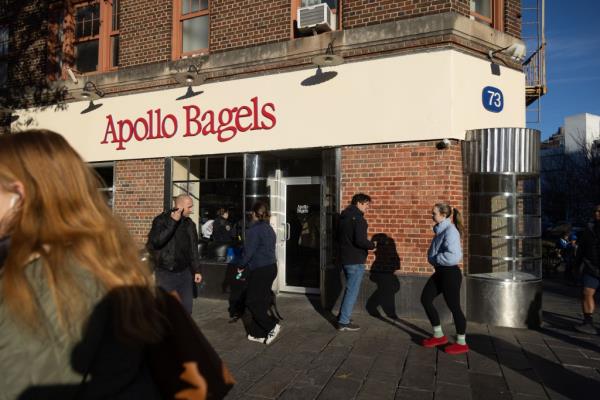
174, 244
588, 250
223, 232
354, 245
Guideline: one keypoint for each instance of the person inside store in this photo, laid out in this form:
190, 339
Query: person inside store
223, 230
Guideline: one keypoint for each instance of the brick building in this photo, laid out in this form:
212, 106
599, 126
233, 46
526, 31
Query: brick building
261, 121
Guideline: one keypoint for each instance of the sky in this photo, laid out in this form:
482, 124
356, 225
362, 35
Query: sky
572, 63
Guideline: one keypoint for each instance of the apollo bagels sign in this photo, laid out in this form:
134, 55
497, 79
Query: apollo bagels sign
193, 121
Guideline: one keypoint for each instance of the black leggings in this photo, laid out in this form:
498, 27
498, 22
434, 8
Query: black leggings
258, 299
445, 280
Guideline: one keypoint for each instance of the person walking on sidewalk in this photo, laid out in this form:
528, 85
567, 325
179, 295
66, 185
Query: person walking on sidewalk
588, 258
444, 254
261, 266
354, 247
77, 305
173, 240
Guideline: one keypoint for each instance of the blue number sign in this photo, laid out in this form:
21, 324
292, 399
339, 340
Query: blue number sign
492, 99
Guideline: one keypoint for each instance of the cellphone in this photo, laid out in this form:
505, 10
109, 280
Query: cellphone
174, 209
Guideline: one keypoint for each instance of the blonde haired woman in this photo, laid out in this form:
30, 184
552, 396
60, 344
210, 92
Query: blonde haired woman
444, 254
76, 304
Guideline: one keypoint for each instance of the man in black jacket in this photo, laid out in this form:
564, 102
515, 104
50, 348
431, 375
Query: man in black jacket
588, 258
354, 247
173, 240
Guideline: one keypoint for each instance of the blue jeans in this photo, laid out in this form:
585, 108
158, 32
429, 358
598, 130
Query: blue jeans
354, 274
180, 282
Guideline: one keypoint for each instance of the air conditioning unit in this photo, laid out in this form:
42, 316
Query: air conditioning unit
317, 18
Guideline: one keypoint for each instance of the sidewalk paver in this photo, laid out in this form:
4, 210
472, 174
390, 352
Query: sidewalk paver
311, 360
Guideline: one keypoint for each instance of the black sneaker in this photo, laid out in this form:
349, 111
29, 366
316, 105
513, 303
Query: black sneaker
586, 327
348, 327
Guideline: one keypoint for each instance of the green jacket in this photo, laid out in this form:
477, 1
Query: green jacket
52, 365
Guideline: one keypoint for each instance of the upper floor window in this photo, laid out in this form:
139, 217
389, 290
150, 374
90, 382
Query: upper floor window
87, 37
4, 40
191, 23
489, 12
334, 5
97, 44
84, 35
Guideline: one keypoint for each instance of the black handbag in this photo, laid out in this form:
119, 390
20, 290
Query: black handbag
184, 364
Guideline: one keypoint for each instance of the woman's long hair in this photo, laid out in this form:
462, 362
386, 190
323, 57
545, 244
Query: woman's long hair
452, 213
64, 219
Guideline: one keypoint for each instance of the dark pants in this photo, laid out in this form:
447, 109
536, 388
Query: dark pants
258, 300
180, 282
445, 280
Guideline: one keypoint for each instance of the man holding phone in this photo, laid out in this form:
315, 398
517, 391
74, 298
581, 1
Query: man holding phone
173, 240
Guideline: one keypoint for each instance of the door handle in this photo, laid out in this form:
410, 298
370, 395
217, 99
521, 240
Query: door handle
287, 231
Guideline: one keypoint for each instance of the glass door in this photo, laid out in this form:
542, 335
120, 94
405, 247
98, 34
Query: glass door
300, 263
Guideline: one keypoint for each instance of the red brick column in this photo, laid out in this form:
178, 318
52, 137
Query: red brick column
405, 180
139, 194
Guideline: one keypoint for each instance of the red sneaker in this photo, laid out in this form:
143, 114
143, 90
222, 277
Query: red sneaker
434, 341
456, 348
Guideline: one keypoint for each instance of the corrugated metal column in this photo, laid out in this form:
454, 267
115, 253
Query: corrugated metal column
505, 270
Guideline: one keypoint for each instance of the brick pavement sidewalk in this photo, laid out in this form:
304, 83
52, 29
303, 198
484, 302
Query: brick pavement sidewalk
311, 360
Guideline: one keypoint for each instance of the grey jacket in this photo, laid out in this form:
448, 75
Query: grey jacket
51, 366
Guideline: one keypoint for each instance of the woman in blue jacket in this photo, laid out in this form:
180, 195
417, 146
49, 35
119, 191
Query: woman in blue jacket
260, 263
444, 254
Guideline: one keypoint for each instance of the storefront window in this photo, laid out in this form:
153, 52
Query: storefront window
106, 172
204, 179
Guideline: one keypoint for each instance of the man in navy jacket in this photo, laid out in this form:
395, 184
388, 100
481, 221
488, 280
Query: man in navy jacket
354, 248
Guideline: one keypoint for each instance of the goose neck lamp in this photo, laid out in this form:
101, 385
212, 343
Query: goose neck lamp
515, 51
191, 77
91, 92
329, 59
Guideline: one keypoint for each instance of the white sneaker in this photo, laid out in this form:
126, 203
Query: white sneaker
273, 334
256, 339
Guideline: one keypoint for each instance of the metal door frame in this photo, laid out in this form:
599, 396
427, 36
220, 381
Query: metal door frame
281, 253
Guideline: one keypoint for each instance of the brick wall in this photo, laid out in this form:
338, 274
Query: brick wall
27, 22
405, 180
358, 13
146, 28
243, 23
139, 188
512, 17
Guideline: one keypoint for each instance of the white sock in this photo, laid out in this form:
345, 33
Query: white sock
437, 331
461, 339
